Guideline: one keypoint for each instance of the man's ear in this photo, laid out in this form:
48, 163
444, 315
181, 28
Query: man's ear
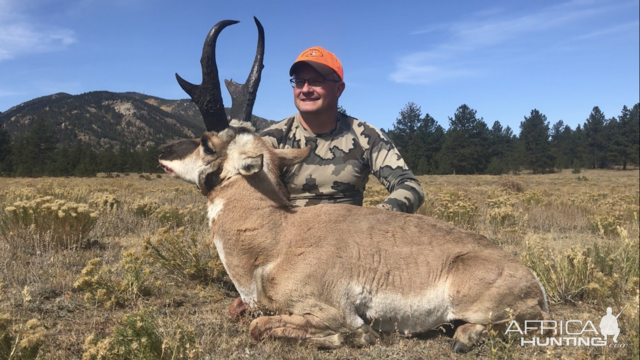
341, 87
251, 165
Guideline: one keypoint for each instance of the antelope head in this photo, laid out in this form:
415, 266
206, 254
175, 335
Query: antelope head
226, 149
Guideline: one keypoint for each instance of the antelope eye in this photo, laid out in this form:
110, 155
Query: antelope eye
207, 150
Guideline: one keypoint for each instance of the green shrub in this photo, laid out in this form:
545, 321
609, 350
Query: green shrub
44, 223
111, 288
183, 256
138, 337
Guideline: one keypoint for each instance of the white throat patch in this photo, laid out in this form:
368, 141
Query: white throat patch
214, 210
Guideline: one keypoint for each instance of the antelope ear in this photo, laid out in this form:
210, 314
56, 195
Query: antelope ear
250, 165
290, 157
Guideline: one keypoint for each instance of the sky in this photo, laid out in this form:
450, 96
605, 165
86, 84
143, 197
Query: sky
501, 58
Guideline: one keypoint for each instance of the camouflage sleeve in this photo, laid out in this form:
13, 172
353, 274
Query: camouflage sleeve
405, 192
275, 134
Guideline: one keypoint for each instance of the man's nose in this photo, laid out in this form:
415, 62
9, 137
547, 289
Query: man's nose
307, 87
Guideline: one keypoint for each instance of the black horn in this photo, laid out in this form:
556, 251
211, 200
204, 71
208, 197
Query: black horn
244, 96
208, 96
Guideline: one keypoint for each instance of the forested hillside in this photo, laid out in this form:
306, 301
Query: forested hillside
101, 131
61, 135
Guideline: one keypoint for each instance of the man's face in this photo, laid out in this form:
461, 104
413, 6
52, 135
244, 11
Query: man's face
311, 99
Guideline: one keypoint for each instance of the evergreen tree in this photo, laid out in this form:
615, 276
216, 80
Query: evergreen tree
108, 161
60, 164
425, 145
466, 145
32, 153
501, 152
149, 159
613, 143
87, 162
579, 148
534, 134
404, 129
628, 136
561, 145
594, 129
5, 151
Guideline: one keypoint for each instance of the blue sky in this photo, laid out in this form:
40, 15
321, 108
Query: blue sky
502, 58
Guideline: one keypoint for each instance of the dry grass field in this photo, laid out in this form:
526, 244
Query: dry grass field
123, 268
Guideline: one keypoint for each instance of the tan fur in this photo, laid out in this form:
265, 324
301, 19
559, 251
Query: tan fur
333, 272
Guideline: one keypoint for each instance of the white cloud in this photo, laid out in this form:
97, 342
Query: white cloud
21, 34
492, 31
632, 26
5, 93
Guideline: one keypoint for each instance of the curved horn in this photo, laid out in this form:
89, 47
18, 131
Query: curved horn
207, 95
244, 96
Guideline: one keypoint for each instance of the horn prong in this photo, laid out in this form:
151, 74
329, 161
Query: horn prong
243, 96
188, 87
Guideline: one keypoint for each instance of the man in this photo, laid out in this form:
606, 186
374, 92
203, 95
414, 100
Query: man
344, 150
609, 325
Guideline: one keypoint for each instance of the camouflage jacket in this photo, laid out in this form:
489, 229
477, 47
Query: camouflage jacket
340, 162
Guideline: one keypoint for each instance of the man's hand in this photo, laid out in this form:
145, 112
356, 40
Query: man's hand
384, 206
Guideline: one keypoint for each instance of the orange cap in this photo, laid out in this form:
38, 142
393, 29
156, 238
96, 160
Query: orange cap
322, 60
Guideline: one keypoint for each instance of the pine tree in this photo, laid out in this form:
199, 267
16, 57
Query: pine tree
404, 129
32, 153
594, 129
501, 151
425, 145
579, 148
534, 134
5, 151
628, 135
466, 146
561, 145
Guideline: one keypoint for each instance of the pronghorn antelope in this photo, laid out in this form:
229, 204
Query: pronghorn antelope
336, 273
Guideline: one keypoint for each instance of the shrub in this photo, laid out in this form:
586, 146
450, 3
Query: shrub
179, 216
138, 337
456, 208
511, 184
601, 273
45, 223
169, 215
104, 202
103, 286
604, 225
23, 342
145, 207
183, 256
6, 338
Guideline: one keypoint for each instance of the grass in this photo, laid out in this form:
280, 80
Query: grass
134, 275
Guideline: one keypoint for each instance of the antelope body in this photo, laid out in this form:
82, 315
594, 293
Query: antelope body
339, 273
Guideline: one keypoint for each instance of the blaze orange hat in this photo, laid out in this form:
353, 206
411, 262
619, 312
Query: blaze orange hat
322, 60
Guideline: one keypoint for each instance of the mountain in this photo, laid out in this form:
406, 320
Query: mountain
105, 119
187, 109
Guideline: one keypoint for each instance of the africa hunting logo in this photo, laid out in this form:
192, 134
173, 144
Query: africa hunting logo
570, 332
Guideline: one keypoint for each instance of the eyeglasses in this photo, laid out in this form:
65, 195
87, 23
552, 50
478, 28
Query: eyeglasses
315, 82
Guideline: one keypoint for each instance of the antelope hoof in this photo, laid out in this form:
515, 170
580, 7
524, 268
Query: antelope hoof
460, 348
237, 308
364, 336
